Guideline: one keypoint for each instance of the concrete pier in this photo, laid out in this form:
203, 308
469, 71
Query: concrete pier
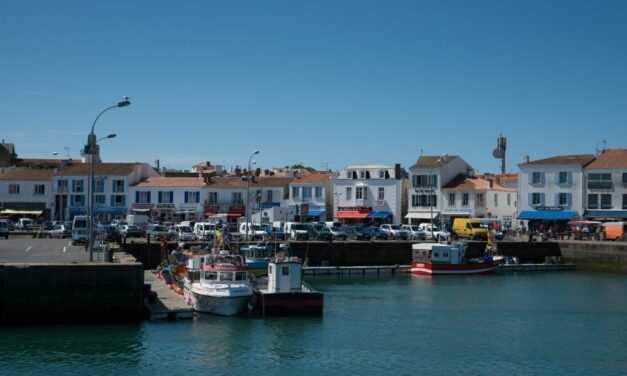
169, 305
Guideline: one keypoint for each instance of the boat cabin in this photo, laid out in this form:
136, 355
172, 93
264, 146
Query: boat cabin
285, 275
438, 253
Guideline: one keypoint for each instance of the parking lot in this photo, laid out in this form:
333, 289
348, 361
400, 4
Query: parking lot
26, 250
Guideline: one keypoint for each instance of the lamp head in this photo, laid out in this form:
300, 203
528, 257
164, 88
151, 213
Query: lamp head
256, 152
125, 102
54, 153
253, 162
112, 135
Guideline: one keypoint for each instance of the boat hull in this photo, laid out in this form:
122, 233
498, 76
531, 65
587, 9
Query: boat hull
220, 305
289, 303
425, 268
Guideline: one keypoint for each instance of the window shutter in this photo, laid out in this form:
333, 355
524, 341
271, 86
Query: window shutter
569, 200
113, 185
72, 200
570, 178
171, 197
197, 196
542, 178
557, 199
530, 179
73, 185
136, 196
186, 197
123, 203
557, 178
542, 198
160, 196
530, 200
83, 201
112, 200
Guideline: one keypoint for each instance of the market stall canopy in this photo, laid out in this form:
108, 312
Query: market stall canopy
563, 215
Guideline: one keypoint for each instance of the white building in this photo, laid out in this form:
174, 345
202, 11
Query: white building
110, 191
311, 196
552, 188
605, 180
365, 193
228, 195
479, 197
427, 176
169, 198
26, 192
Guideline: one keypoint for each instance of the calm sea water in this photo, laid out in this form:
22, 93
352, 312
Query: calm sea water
568, 323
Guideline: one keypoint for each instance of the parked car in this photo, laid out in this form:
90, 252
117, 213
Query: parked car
130, 231
204, 230
156, 232
376, 233
59, 231
4, 229
108, 233
318, 232
357, 232
438, 234
394, 231
298, 231
273, 233
184, 233
337, 233
414, 232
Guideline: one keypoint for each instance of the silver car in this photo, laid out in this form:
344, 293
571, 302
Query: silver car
59, 231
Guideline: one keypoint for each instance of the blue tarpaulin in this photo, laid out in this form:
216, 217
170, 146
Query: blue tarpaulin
547, 214
379, 214
606, 214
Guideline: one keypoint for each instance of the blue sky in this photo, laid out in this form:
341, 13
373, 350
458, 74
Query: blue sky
324, 83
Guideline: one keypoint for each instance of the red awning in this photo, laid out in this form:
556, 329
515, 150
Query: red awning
232, 214
352, 214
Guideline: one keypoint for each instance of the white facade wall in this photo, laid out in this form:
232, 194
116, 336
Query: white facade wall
27, 192
445, 174
617, 191
548, 188
391, 186
193, 207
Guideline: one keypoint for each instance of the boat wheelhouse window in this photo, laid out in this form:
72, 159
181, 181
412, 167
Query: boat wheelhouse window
436, 254
285, 270
226, 276
240, 276
211, 276
269, 269
444, 254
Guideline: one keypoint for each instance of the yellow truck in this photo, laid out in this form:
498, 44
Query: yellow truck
470, 228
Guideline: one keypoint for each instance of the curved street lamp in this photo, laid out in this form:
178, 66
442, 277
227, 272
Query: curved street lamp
126, 101
443, 159
250, 162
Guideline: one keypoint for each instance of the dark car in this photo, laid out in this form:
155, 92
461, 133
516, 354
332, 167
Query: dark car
131, 231
274, 233
108, 233
376, 233
356, 232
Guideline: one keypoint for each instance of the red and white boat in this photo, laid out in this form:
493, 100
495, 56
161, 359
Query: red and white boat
435, 258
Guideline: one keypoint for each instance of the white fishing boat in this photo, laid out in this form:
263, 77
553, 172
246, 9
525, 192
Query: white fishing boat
222, 287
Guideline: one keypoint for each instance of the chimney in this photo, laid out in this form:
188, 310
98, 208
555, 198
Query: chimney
490, 183
238, 171
526, 159
258, 171
397, 171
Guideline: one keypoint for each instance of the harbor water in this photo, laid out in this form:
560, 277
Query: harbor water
568, 323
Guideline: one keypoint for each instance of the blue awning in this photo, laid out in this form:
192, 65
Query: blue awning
606, 214
547, 215
379, 214
314, 213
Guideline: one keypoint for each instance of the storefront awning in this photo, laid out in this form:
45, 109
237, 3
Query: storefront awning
19, 212
555, 215
314, 213
352, 214
606, 214
422, 215
141, 210
234, 214
381, 214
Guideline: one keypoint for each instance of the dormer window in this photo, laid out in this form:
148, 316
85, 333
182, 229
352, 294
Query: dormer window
362, 174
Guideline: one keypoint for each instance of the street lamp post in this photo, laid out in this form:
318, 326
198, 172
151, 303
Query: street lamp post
444, 160
250, 162
90, 199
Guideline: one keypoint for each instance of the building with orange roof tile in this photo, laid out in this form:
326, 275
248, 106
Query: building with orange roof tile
311, 196
26, 192
605, 181
479, 197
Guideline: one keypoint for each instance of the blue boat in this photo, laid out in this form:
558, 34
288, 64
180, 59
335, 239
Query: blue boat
257, 257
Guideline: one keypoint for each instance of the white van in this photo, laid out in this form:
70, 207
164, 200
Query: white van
296, 230
137, 220
24, 223
252, 230
204, 230
79, 229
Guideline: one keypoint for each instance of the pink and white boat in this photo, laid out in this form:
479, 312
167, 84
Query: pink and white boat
441, 259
